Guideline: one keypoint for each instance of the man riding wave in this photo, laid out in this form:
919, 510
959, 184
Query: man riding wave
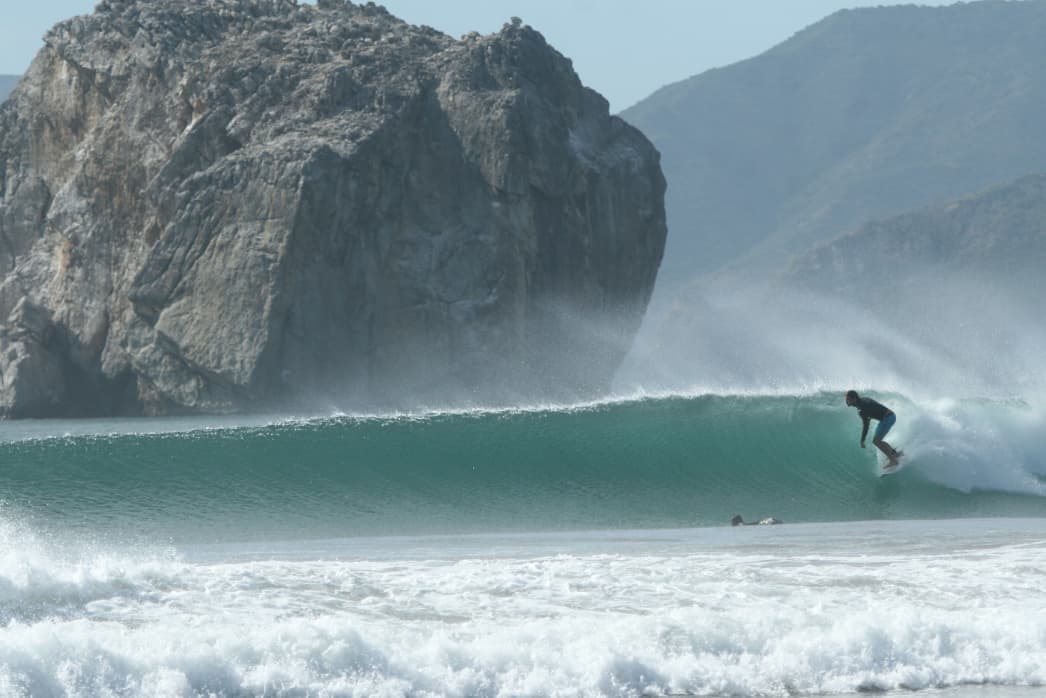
869, 409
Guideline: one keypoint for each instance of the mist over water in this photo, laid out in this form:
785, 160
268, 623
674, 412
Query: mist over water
574, 545
563, 547
959, 358
940, 337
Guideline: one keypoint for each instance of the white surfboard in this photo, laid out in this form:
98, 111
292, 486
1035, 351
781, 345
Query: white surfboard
885, 470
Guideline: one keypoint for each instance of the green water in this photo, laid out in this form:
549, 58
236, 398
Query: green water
656, 463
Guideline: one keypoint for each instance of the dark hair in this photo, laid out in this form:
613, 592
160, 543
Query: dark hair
853, 394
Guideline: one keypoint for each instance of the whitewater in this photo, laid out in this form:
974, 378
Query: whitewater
557, 550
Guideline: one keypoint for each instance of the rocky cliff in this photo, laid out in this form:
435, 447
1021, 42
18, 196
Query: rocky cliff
237, 204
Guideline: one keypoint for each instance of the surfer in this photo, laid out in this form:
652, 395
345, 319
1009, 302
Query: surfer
768, 521
869, 409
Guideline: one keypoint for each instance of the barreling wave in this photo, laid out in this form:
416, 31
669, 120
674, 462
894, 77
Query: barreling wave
646, 463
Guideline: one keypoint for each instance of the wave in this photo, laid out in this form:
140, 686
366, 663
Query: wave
654, 462
826, 609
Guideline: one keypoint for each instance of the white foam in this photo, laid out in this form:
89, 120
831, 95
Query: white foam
784, 611
977, 445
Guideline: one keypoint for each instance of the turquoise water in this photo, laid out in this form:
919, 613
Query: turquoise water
551, 551
652, 463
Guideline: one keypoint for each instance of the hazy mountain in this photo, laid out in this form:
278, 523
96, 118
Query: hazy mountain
997, 238
7, 83
945, 295
865, 114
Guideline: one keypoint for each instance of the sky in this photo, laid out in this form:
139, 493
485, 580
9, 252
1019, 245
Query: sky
625, 49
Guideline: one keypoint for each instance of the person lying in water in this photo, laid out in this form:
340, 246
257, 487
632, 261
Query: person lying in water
868, 409
768, 521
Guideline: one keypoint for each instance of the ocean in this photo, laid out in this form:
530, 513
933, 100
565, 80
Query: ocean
580, 550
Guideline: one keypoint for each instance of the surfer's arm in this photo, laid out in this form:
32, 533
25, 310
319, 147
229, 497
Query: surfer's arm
864, 429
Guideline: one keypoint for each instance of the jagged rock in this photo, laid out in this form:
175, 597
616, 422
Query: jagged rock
32, 380
242, 203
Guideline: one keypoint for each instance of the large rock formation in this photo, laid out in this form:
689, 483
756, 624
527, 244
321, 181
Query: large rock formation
244, 203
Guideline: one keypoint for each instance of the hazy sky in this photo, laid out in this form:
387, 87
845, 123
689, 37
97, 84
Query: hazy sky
625, 49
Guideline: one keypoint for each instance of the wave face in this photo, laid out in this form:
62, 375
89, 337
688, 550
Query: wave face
647, 463
178, 558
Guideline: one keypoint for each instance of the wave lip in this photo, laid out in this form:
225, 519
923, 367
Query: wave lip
646, 463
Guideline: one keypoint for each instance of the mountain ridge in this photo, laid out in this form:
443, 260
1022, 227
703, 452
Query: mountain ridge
868, 113
998, 234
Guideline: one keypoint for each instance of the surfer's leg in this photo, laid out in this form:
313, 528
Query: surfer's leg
884, 426
888, 451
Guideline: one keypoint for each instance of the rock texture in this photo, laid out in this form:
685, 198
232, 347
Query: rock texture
237, 204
